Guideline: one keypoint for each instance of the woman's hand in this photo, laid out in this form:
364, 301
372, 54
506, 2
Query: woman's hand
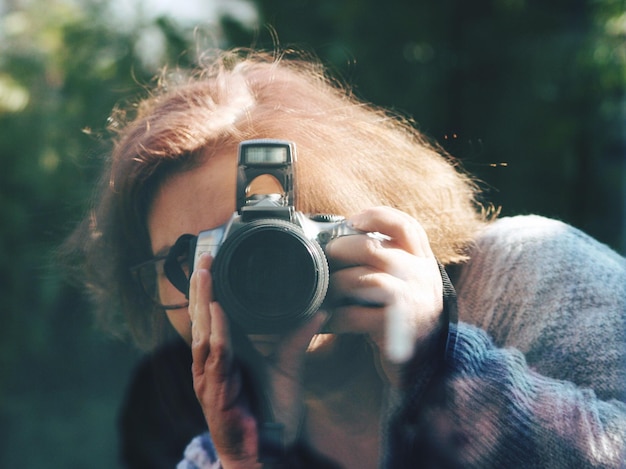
218, 378
390, 289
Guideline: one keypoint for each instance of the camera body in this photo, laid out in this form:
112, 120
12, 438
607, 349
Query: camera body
270, 273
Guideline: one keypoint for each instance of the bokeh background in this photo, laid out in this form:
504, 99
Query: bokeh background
528, 94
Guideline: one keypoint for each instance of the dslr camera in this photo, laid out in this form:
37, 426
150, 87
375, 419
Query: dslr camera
270, 273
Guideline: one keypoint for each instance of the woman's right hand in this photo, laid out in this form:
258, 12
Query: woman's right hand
218, 379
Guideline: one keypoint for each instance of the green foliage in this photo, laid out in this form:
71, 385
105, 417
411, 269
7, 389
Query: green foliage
61, 74
536, 85
48, 101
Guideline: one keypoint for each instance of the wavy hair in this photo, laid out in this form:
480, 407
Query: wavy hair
351, 155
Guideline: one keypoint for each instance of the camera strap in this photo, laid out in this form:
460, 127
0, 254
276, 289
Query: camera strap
450, 308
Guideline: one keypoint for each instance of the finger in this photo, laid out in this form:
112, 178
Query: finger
291, 351
216, 382
403, 229
393, 331
361, 285
200, 288
359, 298
223, 377
200, 295
357, 319
221, 357
355, 250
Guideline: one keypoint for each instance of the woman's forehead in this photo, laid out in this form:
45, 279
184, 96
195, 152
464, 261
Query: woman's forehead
192, 201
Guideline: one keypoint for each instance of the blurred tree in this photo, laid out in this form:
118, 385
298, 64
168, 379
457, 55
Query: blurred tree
61, 74
538, 86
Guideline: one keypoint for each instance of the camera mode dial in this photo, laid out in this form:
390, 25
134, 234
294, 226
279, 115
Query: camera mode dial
327, 218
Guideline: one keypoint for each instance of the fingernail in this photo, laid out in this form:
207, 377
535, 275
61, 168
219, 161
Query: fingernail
355, 222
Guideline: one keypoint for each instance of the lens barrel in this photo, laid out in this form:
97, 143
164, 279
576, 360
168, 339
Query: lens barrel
269, 277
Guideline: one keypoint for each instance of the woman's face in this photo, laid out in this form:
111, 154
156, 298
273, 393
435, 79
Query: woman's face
190, 202
198, 200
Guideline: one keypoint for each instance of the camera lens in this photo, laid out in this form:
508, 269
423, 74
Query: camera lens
269, 277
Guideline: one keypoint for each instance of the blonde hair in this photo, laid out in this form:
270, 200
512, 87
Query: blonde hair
351, 155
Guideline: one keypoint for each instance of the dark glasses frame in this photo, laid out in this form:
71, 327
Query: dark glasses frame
151, 291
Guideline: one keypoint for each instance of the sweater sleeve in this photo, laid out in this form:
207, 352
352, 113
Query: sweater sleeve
487, 409
541, 381
555, 294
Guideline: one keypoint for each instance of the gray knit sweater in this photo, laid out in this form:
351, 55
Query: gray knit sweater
535, 374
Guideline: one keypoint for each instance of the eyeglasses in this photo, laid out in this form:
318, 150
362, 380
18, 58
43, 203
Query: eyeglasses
154, 282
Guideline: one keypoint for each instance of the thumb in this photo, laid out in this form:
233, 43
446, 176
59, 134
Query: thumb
290, 354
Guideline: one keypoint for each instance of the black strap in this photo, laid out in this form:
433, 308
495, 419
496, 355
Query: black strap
449, 296
173, 269
450, 307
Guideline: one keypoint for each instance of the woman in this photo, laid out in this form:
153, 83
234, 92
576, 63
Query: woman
539, 383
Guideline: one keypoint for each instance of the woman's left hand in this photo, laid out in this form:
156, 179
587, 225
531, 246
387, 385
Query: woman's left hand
388, 287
